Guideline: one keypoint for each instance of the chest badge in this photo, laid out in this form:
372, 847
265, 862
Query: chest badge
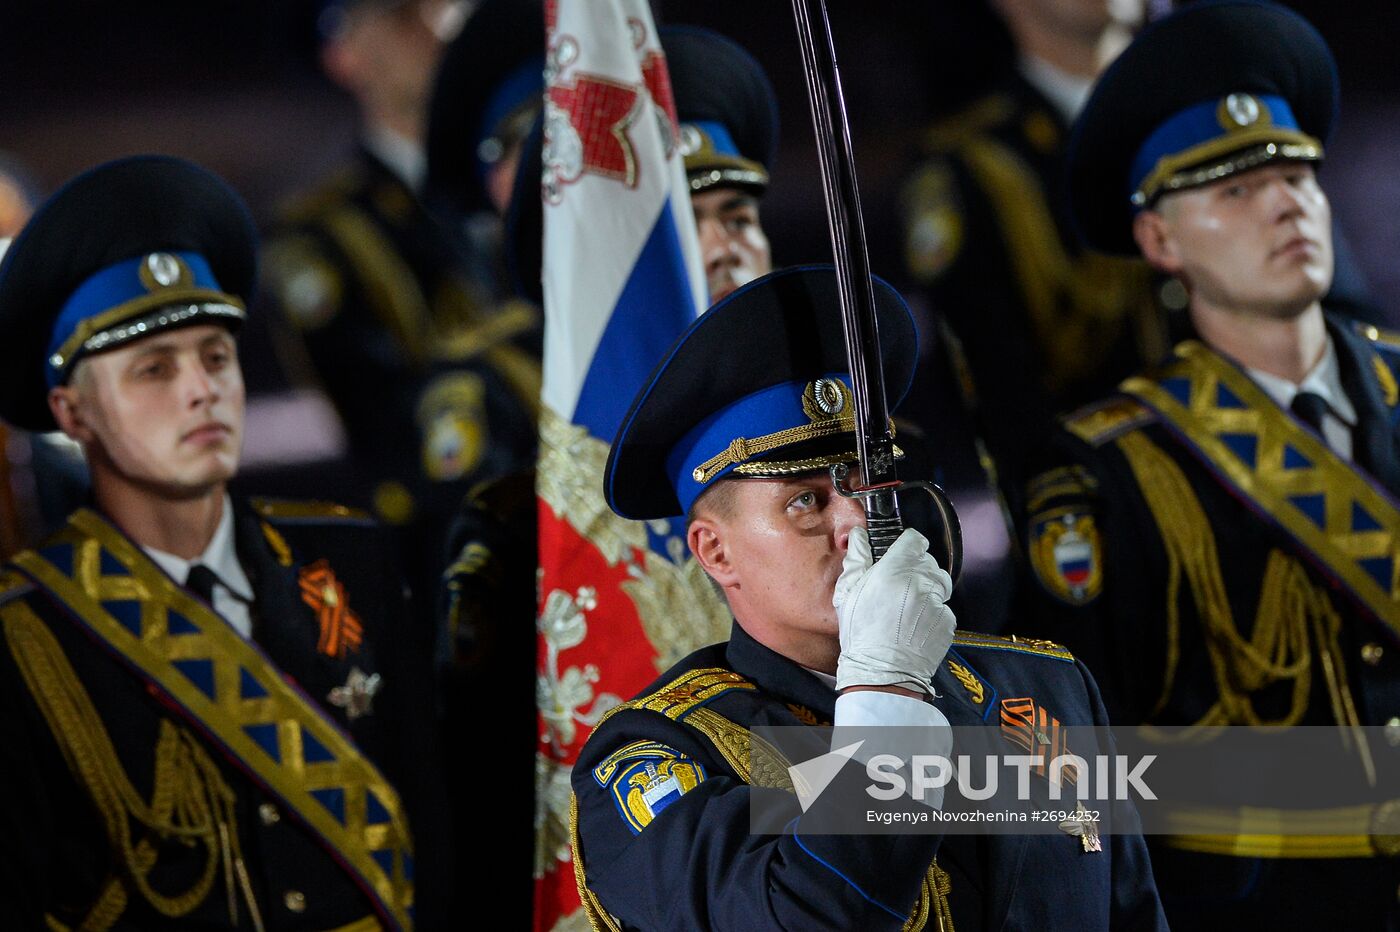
1083, 825
356, 697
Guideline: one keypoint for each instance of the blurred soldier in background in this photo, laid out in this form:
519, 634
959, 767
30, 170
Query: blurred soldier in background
17, 197
436, 382
1029, 321
485, 98
1032, 322
729, 135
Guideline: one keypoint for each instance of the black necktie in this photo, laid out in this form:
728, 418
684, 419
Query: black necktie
200, 581
1310, 407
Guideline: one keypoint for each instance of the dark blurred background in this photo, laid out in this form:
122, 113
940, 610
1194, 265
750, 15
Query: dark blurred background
234, 84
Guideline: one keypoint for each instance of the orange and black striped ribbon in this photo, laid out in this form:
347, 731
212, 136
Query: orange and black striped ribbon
1030, 726
340, 627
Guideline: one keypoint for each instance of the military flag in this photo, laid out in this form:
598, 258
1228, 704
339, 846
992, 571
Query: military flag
619, 601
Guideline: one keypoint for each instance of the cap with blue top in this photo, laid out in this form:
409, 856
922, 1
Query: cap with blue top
1214, 89
725, 403
126, 250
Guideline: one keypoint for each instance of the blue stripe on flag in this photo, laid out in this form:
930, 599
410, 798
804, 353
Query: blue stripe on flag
655, 306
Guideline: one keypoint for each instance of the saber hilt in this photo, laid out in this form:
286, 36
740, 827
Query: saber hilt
884, 532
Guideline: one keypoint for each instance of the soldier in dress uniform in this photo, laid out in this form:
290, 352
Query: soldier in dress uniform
398, 317
738, 433
210, 713
1032, 321
1217, 539
729, 134
485, 98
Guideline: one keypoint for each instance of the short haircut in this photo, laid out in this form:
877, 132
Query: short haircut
717, 500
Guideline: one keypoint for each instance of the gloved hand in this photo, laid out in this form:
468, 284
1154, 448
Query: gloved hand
895, 627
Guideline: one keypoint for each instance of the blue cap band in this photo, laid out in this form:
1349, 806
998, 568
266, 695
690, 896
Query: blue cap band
1218, 119
766, 412
720, 140
187, 278
523, 84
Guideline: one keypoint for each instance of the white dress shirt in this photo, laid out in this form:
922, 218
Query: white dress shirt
404, 157
924, 729
1067, 93
1324, 380
233, 593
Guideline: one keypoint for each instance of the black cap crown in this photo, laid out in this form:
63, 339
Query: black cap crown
119, 243
1217, 87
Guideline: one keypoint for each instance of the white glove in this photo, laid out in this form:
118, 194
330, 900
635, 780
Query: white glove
895, 627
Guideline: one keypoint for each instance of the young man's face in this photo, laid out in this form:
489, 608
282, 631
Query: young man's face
1257, 243
164, 413
732, 243
775, 546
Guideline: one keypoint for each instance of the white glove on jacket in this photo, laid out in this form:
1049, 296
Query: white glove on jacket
895, 627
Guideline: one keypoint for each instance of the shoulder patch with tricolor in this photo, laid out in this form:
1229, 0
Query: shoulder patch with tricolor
645, 777
1066, 554
934, 220
1063, 541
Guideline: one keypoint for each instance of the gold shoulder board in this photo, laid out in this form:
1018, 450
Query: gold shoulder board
1387, 339
282, 510
977, 119
689, 690
1100, 422
1013, 643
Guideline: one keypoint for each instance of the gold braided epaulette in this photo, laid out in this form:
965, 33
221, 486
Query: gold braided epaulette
1100, 422
331, 195
1013, 643
977, 119
691, 690
285, 510
684, 694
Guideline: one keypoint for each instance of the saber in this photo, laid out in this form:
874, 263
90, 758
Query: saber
874, 433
